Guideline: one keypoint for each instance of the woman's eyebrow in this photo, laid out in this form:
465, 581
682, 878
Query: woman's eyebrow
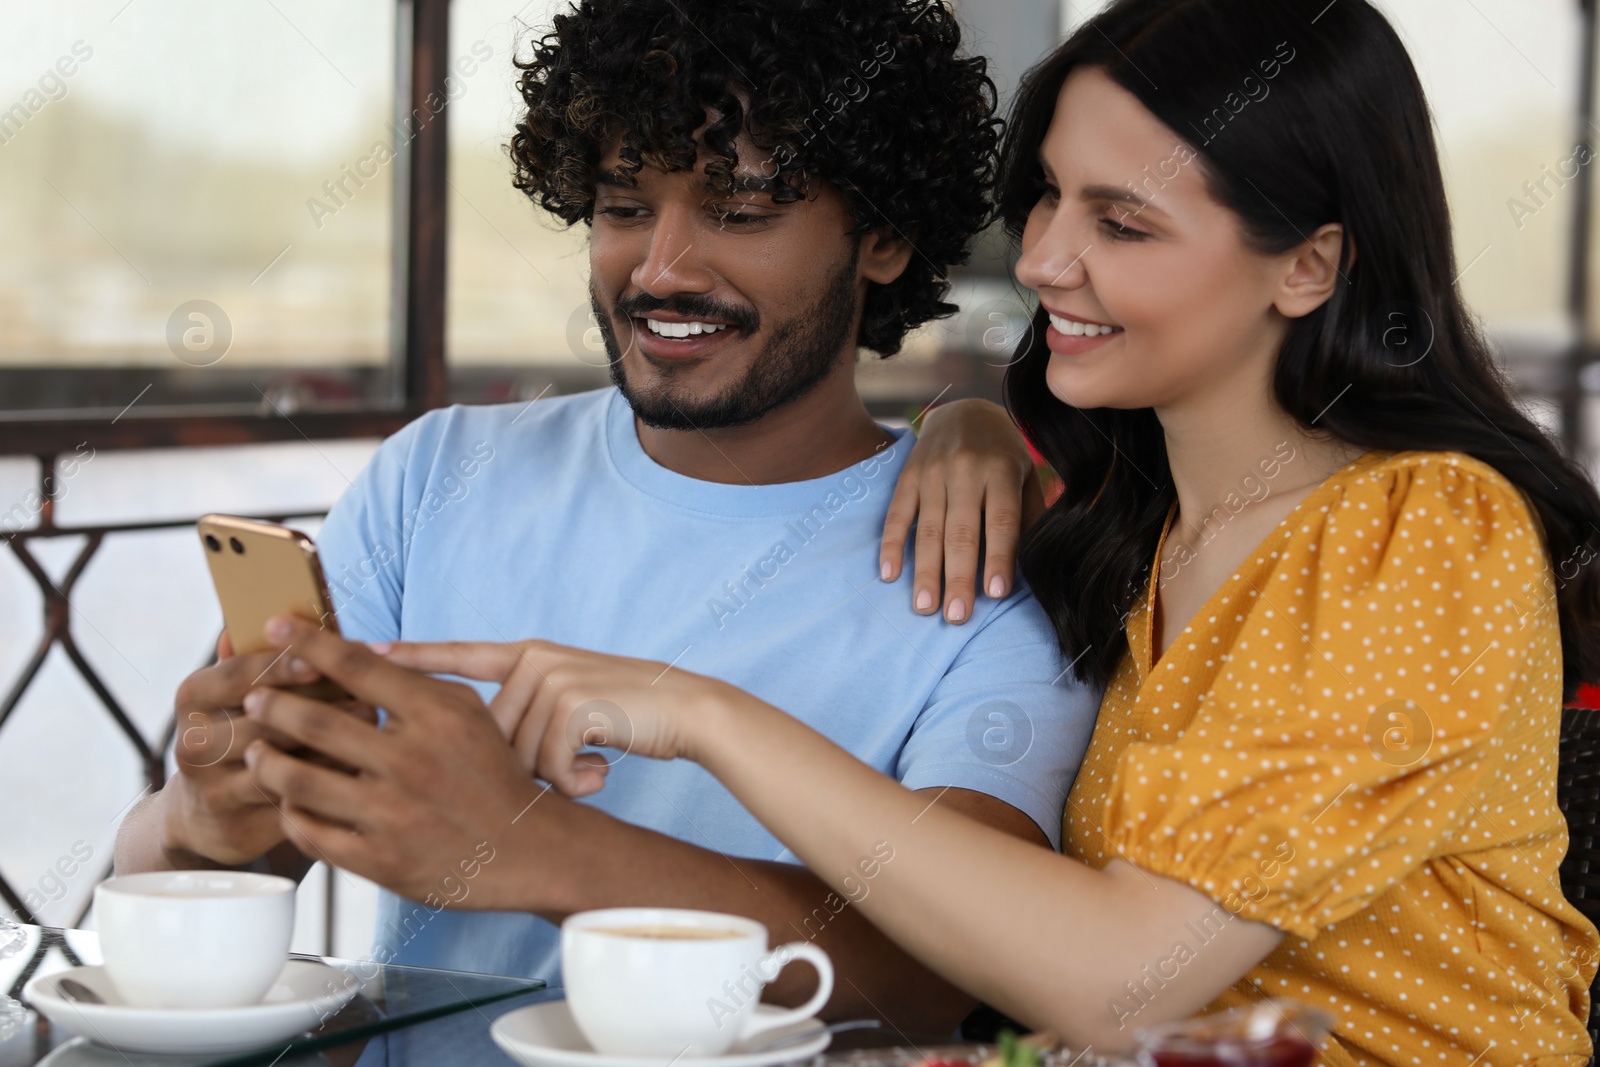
1118, 195
1114, 193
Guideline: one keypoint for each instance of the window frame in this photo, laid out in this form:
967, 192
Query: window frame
417, 307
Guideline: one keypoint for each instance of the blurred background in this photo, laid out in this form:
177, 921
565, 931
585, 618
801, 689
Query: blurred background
209, 217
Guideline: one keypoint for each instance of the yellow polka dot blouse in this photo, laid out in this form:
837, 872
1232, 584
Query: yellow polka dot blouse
1354, 741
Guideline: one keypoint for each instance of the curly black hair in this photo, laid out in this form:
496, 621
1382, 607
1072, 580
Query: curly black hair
868, 95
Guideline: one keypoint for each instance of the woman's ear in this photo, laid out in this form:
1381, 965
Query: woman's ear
884, 255
1312, 270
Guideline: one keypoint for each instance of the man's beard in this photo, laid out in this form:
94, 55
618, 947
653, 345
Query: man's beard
800, 353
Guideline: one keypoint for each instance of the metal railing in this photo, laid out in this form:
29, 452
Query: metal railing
58, 632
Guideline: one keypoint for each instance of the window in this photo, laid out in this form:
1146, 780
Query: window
518, 309
199, 205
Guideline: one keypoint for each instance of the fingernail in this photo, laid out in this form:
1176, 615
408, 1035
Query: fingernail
958, 611
252, 701
251, 753
299, 666
884, 569
924, 600
277, 627
380, 647
997, 587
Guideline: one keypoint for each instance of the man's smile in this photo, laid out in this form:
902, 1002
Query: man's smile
668, 336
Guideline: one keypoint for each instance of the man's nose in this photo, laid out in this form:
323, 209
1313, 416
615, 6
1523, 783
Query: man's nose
673, 263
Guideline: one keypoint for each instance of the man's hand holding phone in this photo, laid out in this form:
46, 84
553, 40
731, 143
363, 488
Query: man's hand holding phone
438, 787
211, 808
212, 811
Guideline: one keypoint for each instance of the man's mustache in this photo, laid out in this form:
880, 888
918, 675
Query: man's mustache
744, 319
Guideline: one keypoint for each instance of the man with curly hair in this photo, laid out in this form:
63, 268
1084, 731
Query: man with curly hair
769, 186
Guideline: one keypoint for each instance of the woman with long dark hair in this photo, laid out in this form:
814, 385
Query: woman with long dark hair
1333, 581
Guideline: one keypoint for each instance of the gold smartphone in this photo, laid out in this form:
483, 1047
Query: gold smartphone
262, 569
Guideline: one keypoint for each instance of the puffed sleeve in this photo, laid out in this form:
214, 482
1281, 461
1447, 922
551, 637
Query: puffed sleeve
1377, 662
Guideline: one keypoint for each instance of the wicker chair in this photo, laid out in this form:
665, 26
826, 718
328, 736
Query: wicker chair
1578, 793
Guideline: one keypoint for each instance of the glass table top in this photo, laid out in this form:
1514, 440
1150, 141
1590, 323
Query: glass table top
403, 1017
400, 1015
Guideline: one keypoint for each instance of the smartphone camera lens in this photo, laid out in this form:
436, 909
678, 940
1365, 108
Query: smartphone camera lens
237, 546
212, 543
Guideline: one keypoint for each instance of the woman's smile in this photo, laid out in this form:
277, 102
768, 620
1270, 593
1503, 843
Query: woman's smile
1070, 335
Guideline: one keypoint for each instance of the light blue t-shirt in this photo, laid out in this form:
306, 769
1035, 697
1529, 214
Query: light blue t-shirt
549, 520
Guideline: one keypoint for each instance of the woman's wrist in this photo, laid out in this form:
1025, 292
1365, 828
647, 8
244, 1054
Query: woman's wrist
725, 713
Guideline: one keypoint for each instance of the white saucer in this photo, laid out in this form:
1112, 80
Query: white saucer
305, 995
545, 1035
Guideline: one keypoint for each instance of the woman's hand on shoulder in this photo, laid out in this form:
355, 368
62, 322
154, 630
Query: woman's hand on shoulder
969, 480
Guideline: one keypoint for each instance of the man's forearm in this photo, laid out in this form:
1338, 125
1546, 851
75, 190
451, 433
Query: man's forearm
139, 848
579, 858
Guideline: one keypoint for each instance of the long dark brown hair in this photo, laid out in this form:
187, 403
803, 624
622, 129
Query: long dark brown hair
1340, 133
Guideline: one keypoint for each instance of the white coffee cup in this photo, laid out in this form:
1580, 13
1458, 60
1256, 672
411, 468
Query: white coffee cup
669, 982
194, 939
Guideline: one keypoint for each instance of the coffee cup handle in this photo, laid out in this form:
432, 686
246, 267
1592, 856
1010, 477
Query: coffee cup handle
775, 961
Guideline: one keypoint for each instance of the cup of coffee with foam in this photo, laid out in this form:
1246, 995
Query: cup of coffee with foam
670, 982
194, 939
